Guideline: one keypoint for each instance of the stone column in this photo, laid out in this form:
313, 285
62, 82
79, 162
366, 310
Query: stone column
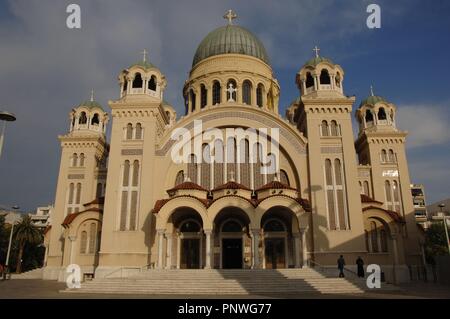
72, 248
160, 248
304, 248
304, 87
316, 82
298, 247
208, 249
395, 252
169, 251
178, 250
255, 248
253, 94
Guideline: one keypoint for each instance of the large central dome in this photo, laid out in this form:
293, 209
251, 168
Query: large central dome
230, 39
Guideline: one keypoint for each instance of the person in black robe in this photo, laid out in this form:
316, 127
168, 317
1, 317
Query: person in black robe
360, 264
341, 264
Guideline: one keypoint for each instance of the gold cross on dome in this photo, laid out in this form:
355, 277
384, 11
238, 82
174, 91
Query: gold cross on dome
144, 53
317, 50
371, 90
92, 95
230, 16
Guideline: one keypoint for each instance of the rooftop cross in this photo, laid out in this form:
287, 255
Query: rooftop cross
317, 50
371, 90
230, 16
144, 53
92, 95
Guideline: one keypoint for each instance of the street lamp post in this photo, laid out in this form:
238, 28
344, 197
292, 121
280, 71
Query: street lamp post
441, 207
6, 270
6, 117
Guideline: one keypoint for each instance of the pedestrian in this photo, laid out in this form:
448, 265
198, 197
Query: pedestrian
341, 264
360, 265
2, 269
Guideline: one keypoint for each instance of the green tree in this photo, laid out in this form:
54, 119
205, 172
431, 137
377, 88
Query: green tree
435, 242
25, 233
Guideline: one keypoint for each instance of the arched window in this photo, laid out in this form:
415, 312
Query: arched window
258, 177
204, 96
83, 118
180, 178
137, 82
78, 197
190, 226
92, 237
387, 190
205, 167
247, 92
83, 242
138, 131
330, 195
74, 160
244, 162
81, 160
95, 119
129, 131
392, 156
374, 237
383, 241
325, 77
324, 128
274, 225
284, 178
152, 83
135, 180
192, 97
384, 158
381, 114
309, 80
219, 158
366, 188
216, 93
340, 194
71, 193
396, 196
192, 168
334, 128
369, 116
231, 226
259, 95
231, 158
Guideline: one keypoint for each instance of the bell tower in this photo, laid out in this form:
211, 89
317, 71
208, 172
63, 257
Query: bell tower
82, 172
381, 146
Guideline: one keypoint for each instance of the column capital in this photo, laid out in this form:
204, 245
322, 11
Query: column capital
303, 229
168, 235
207, 231
256, 231
72, 238
160, 231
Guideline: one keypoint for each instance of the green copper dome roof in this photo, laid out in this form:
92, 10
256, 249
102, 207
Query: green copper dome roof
91, 104
316, 60
372, 100
146, 65
230, 39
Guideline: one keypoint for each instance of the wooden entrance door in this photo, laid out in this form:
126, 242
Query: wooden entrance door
275, 253
190, 254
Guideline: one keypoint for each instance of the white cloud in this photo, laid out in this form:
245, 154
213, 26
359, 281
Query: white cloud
427, 125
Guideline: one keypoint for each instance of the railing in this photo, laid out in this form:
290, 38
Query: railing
121, 269
325, 269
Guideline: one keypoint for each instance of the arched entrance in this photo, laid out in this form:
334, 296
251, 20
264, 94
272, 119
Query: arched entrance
232, 240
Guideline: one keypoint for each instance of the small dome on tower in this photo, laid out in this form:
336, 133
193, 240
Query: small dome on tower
88, 117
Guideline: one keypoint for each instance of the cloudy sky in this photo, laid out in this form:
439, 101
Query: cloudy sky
46, 68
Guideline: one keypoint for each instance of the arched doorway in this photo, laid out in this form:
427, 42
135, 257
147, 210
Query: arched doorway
190, 244
232, 240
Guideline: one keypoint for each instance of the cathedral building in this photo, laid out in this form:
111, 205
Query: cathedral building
127, 204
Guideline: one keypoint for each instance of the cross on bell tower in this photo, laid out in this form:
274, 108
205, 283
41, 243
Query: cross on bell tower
230, 16
317, 50
144, 55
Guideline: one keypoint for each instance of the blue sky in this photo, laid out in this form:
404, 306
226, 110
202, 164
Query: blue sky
46, 69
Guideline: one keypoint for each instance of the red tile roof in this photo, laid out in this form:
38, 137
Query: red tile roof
188, 186
231, 185
70, 218
99, 201
394, 215
275, 185
367, 199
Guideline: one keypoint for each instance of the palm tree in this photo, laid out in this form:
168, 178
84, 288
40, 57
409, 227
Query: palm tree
26, 232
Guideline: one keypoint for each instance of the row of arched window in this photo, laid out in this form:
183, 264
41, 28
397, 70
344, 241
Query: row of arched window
83, 119
376, 239
392, 193
388, 156
381, 115
231, 94
324, 79
77, 160
129, 195
133, 133
228, 162
331, 129
90, 242
335, 190
73, 198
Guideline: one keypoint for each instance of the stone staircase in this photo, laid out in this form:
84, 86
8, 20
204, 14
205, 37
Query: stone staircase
224, 282
32, 274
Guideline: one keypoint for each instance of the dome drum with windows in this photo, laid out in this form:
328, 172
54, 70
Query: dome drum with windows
231, 67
